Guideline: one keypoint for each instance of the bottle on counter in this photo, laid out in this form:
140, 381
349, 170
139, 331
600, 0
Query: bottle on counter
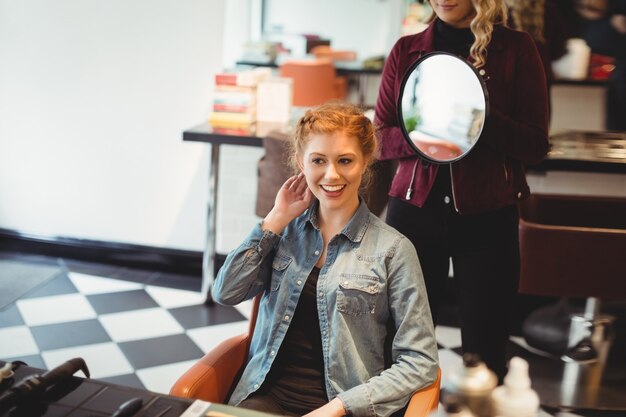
515, 398
472, 384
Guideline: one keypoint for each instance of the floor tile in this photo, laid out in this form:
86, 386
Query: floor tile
121, 301
172, 298
90, 284
17, 341
202, 315
58, 285
449, 362
34, 361
449, 337
10, 316
209, 337
140, 324
127, 380
245, 308
30, 258
170, 280
161, 378
55, 309
137, 275
102, 359
91, 268
148, 353
75, 333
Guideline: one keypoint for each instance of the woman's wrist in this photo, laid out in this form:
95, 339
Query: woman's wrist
337, 407
274, 223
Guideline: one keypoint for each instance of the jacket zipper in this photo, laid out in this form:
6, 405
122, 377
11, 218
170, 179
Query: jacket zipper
506, 171
409, 191
456, 207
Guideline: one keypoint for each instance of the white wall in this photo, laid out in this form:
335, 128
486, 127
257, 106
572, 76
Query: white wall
370, 27
94, 96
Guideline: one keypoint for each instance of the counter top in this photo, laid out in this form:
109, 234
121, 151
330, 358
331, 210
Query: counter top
585, 151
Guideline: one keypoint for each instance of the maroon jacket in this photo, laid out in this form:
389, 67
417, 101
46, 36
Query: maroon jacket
515, 133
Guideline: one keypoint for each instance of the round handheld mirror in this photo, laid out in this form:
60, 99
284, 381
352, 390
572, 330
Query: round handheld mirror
442, 107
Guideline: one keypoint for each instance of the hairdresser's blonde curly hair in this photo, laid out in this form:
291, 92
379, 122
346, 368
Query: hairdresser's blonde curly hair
488, 13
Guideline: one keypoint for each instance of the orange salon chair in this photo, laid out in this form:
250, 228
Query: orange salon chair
213, 377
314, 81
325, 51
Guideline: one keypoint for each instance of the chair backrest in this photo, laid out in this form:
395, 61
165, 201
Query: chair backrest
313, 81
572, 246
325, 51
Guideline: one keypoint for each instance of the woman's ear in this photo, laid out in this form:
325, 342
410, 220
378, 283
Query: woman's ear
300, 162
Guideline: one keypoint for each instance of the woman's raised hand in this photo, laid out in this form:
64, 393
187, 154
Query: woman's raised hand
292, 199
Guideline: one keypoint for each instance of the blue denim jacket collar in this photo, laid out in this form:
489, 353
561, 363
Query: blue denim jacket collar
356, 227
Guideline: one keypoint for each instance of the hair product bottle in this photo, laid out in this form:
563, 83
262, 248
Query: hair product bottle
515, 398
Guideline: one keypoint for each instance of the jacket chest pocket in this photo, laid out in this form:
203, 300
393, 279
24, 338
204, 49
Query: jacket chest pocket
279, 268
357, 294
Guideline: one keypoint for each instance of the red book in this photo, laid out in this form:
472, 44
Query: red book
234, 131
233, 108
245, 78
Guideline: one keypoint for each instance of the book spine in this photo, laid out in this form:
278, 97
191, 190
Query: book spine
249, 130
233, 108
226, 79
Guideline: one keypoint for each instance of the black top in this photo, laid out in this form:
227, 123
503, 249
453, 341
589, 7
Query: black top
296, 380
453, 40
458, 42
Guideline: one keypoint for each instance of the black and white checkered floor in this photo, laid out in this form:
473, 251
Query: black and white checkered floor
135, 328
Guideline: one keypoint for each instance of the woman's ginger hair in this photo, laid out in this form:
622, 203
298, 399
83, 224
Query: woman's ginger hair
488, 14
336, 117
527, 15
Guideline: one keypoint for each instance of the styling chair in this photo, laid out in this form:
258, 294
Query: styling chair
315, 81
326, 51
573, 246
214, 376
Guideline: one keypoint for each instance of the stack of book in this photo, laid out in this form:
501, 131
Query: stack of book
235, 100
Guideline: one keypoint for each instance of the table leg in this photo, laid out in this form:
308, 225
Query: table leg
362, 89
208, 258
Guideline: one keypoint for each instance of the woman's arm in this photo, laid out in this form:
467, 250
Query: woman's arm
247, 269
392, 142
523, 135
334, 408
414, 348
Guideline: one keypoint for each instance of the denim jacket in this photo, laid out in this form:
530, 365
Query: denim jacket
378, 339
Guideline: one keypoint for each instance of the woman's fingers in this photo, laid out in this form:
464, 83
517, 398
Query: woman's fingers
290, 181
300, 185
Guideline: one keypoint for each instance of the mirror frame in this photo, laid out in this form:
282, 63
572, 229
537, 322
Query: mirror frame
405, 78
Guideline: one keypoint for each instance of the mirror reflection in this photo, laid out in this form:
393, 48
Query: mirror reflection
443, 106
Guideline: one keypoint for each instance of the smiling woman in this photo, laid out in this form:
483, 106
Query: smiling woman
335, 279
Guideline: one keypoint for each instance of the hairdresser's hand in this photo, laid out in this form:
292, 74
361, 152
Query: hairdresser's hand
332, 409
292, 199
592, 9
618, 21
